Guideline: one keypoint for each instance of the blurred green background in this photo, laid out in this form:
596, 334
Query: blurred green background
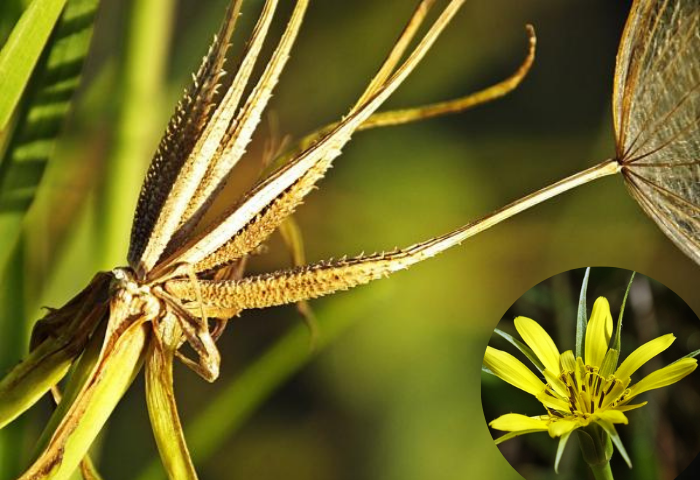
661, 438
397, 394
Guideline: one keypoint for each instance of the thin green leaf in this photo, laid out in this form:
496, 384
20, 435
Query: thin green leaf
582, 315
44, 108
10, 11
486, 369
560, 450
22, 50
13, 339
524, 349
610, 430
617, 344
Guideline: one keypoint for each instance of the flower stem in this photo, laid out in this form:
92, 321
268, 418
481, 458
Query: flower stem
597, 450
602, 472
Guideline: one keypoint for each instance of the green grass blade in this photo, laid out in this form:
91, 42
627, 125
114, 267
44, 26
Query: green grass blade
12, 348
582, 315
22, 50
10, 11
44, 108
139, 123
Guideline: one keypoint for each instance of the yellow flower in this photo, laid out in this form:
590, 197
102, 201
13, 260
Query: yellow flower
578, 392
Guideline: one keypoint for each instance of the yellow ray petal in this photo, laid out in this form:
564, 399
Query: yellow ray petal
598, 332
562, 427
508, 368
553, 402
567, 361
643, 354
540, 342
555, 383
612, 416
665, 376
515, 422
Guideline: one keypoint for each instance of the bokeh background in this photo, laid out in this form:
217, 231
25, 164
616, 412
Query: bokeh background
661, 438
394, 392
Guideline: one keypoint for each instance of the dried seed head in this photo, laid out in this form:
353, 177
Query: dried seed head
657, 115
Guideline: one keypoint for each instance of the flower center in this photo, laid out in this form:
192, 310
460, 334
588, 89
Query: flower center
586, 391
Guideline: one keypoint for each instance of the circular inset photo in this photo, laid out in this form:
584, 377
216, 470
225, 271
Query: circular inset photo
591, 374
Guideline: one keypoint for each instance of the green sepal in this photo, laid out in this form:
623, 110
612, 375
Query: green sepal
617, 340
560, 450
582, 315
596, 447
609, 362
612, 433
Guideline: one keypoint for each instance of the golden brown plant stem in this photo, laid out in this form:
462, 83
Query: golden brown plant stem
608, 167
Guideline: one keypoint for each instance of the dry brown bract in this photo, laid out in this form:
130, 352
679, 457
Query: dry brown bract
174, 282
